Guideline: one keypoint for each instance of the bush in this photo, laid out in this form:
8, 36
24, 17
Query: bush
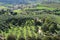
47, 38
21, 38
11, 37
56, 38
2, 37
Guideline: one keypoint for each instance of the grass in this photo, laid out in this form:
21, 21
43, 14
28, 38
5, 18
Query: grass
3, 7
58, 19
54, 5
43, 6
46, 8
18, 11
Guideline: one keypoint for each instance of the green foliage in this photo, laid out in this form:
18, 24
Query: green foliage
20, 25
47, 38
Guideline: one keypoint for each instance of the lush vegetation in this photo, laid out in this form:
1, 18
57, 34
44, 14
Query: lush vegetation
38, 23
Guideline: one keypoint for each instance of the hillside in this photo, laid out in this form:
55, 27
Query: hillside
29, 19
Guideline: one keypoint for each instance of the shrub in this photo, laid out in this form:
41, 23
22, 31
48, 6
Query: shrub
47, 38
38, 38
21, 38
56, 38
11, 37
31, 38
2, 37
